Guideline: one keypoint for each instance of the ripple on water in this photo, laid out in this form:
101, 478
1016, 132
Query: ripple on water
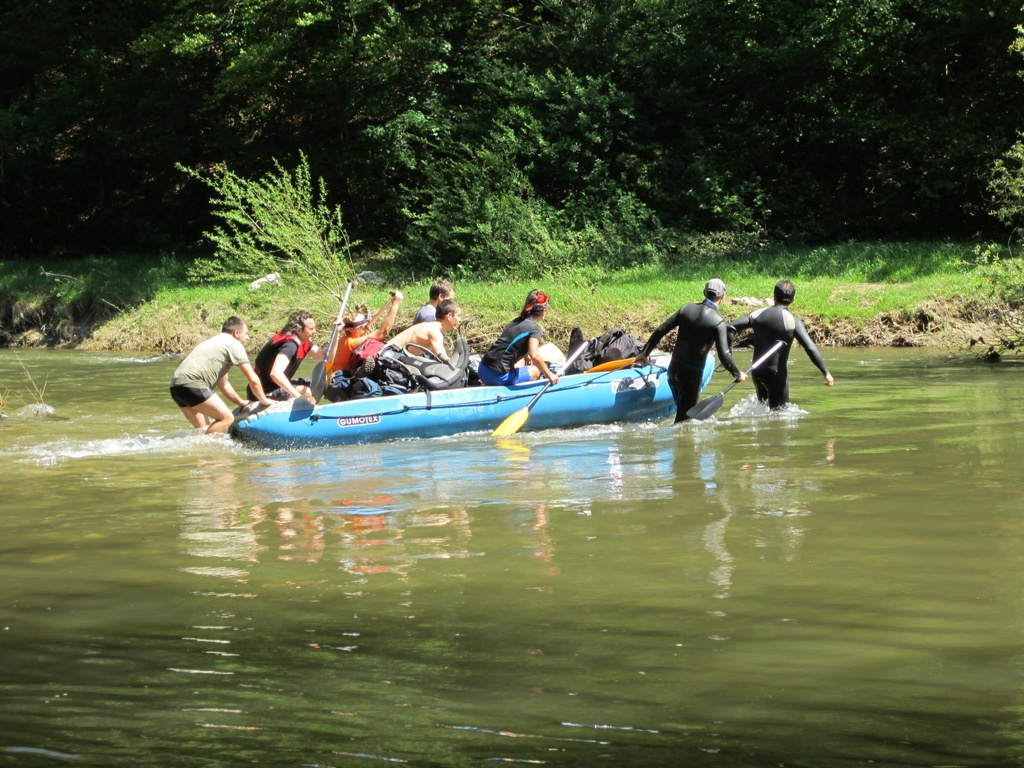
69, 448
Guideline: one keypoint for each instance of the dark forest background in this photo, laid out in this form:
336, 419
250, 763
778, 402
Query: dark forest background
458, 134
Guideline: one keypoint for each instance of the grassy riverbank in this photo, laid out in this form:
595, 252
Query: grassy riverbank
851, 294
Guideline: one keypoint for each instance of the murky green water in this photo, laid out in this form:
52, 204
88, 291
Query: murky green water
836, 586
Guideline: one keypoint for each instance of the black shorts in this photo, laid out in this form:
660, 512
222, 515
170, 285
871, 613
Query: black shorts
280, 393
189, 397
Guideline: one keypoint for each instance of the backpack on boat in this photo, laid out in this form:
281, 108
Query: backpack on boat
402, 369
339, 387
364, 388
614, 344
367, 350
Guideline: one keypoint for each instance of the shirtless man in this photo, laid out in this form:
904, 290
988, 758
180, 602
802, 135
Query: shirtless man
430, 335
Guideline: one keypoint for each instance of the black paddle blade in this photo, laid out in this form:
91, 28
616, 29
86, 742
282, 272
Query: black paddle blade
319, 381
706, 408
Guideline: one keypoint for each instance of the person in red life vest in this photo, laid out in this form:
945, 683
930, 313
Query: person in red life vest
356, 331
280, 357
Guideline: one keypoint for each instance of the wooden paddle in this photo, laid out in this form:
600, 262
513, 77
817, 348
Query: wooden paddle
513, 423
319, 381
710, 405
611, 365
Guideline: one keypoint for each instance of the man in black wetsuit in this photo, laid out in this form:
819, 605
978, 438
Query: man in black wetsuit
700, 326
770, 325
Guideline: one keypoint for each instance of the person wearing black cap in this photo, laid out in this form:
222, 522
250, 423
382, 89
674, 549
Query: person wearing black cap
772, 324
514, 357
700, 327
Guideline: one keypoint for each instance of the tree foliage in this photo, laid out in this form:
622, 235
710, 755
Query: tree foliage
490, 133
280, 222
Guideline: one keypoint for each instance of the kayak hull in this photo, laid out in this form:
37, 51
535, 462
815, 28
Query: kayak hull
630, 394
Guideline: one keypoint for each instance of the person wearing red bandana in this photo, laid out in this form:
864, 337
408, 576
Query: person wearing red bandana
514, 357
280, 357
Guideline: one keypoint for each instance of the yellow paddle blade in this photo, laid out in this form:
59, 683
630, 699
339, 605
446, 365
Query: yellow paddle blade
512, 424
611, 365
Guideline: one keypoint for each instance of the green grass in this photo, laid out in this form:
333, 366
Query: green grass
146, 302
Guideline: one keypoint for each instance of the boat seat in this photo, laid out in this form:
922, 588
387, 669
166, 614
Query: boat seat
425, 368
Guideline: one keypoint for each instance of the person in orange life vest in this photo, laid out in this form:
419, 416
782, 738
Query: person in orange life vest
280, 357
356, 327
514, 357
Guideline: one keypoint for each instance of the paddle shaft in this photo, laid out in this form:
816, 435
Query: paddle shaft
341, 311
512, 424
569, 361
319, 378
707, 407
775, 348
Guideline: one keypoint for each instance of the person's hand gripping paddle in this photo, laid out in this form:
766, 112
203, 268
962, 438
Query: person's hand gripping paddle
319, 380
709, 406
514, 423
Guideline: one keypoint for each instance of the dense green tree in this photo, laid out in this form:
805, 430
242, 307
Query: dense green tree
474, 133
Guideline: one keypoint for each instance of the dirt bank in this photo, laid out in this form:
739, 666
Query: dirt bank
949, 324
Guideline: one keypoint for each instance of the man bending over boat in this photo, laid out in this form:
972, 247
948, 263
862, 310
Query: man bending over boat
772, 324
280, 357
700, 327
514, 357
429, 336
207, 367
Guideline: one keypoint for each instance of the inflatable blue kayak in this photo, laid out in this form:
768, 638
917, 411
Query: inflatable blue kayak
629, 394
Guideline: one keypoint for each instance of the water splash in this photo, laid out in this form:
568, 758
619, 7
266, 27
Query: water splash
34, 410
67, 449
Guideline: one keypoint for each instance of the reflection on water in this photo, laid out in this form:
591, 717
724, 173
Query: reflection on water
833, 584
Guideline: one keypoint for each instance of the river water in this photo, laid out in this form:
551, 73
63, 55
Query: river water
836, 585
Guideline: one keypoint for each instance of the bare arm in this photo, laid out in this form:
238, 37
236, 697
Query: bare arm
277, 376
391, 306
533, 350
389, 318
254, 383
224, 385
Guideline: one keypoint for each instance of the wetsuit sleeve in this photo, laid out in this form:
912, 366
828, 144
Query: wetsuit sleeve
660, 332
809, 347
737, 325
722, 343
